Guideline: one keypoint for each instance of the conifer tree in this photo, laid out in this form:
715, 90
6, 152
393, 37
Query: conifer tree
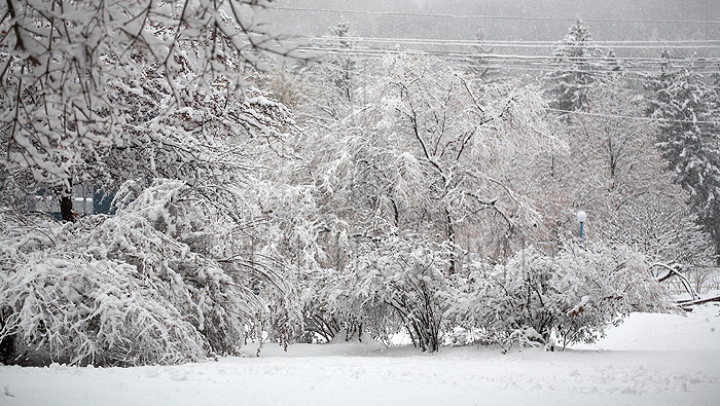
686, 109
575, 59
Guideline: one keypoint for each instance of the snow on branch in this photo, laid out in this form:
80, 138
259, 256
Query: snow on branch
75, 75
163, 281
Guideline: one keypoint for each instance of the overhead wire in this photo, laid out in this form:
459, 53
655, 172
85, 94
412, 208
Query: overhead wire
560, 111
638, 65
484, 54
621, 116
454, 48
468, 50
687, 44
622, 75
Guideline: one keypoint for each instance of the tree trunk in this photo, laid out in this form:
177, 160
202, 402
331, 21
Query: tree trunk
7, 344
66, 204
451, 239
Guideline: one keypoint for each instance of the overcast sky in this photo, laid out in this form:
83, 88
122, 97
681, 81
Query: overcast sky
506, 20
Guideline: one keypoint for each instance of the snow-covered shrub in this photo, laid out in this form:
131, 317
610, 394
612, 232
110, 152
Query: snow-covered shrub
172, 233
79, 310
411, 278
165, 280
577, 294
394, 286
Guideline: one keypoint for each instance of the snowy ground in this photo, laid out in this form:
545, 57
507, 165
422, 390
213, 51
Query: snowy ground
649, 360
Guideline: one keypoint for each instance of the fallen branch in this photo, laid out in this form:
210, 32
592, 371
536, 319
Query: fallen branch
672, 271
694, 302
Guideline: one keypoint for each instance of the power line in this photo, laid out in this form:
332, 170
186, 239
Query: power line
639, 118
340, 44
360, 44
590, 45
690, 44
623, 75
473, 54
575, 112
625, 64
489, 17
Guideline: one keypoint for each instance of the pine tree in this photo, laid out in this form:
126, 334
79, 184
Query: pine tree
686, 109
576, 60
343, 63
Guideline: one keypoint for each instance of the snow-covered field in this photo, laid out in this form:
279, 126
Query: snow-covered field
649, 360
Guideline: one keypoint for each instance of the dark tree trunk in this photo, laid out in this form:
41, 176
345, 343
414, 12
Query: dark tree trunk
66, 205
7, 344
451, 239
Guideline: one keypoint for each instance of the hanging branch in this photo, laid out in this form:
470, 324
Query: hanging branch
672, 271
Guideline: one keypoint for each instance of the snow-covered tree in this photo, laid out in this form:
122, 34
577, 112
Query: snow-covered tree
460, 133
394, 286
152, 99
686, 109
576, 67
613, 171
343, 64
167, 279
417, 163
76, 75
477, 64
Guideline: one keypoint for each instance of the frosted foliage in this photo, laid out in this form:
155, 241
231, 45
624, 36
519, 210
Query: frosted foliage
462, 134
407, 279
427, 150
395, 286
160, 282
687, 109
78, 310
576, 69
409, 175
89, 88
212, 135
576, 294
613, 171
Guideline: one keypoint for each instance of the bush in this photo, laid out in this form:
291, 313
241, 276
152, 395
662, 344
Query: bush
78, 310
394, 286
161, 282
576, 294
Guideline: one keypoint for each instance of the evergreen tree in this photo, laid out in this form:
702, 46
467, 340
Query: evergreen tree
575, 58
342, 62
686, 109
